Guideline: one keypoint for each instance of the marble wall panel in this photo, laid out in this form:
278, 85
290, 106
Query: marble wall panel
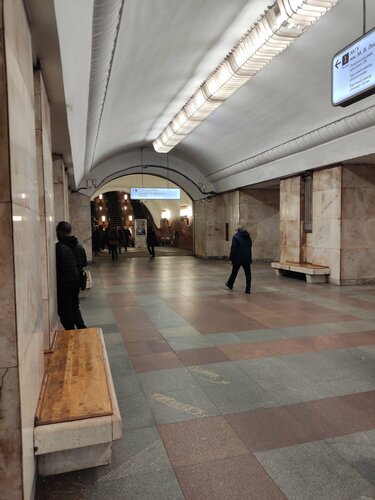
200, 228
327, 234
8, 340
353, 234
358, 223
18, 37
327, 204
359, 176
329, 257
259, 213
31, 376
329, 178
290, 217
60, 191
28, 276
21, 136
358, 266
10, 436
81, 221
5, 190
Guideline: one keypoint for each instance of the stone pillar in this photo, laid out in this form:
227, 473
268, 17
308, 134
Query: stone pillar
358, 224
259, 214
60, 191
46, 209
324, 242
290, 219
80, 210
21, 340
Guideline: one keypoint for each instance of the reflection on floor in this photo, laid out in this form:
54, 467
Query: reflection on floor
232, 396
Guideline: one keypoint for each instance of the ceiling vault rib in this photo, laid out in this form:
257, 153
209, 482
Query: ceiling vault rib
105, 30
334, 130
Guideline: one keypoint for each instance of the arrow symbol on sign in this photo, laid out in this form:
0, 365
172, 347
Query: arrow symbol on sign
337, 63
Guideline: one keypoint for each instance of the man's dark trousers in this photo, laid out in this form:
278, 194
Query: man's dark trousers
68, 305
235, 268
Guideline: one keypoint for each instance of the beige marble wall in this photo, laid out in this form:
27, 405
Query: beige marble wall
60, 191
358, 224
259, 214
326, 230
46, 209
80, 210
24, 206
211, 217
200, 228
290, 219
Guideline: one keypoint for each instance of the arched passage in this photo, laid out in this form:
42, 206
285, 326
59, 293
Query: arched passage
171, 219
179, 171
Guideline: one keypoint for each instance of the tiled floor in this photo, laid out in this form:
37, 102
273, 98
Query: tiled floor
231, 396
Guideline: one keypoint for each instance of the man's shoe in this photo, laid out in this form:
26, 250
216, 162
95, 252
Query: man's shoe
228, 285
247, 291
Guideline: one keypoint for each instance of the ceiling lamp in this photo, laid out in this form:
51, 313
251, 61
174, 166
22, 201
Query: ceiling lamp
275, 31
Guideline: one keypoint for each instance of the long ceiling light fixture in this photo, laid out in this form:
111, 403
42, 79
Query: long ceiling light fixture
285, 21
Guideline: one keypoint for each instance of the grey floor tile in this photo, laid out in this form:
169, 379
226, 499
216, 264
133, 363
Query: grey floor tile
313, 471
127, 385
110, 328
218, 374
135, 412
168, 407
174, 379
182, 331
140, 451
283, 382
161, 485
238, 396
359, 451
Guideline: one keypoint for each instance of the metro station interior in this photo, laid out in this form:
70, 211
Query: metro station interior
261, 115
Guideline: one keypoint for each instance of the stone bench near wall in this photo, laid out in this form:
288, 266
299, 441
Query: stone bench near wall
314, 273
78, 416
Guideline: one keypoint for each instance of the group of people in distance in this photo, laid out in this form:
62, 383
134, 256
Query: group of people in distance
71, 259
113, 237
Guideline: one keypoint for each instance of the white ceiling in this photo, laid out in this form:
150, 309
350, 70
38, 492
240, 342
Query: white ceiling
164, 50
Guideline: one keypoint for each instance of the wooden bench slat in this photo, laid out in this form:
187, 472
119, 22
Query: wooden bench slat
75, 385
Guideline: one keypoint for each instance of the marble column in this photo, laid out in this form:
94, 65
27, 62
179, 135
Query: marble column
80, 210
60, 191
290, 219
259, 214
46, 209
358, 224
21, 357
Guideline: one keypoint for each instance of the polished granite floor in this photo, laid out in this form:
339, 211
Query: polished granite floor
225, 395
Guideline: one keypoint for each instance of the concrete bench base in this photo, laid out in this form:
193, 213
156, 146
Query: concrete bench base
79, 444
313, 273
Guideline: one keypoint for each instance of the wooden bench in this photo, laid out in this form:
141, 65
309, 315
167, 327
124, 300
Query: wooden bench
77, 417
314, 273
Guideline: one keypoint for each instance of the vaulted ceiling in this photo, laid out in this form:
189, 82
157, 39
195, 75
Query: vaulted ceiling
128, 66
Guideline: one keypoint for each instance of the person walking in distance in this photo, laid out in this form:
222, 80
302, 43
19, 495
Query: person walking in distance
70, 261
240, 256
151, 241
113, 239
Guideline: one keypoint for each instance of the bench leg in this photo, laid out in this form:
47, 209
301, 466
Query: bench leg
278, 272
316, 278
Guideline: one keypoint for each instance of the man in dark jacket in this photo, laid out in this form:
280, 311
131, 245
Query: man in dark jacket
151, 241
70, 261
240, 255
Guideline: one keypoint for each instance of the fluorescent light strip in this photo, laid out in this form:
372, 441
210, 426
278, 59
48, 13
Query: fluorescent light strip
276, 30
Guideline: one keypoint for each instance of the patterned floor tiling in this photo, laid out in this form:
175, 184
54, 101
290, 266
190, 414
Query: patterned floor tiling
235, 478
201, 356
200, 440
155, 361
270, 395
